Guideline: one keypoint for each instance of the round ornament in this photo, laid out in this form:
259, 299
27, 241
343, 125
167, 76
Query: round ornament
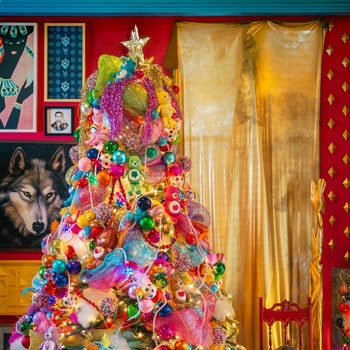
146, 223
144, 202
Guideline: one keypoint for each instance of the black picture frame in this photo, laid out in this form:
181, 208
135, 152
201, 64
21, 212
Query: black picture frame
14, 192
62, 126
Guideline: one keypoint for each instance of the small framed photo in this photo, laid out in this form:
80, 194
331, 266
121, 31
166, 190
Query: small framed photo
59, 121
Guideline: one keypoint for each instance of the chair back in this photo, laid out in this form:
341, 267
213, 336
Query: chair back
285, 312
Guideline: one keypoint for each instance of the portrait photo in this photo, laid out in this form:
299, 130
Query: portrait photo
32, 191
18, 70
59, 121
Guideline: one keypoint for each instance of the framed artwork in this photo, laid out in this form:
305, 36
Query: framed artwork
18, 72
59, 121
64, 61
340, 306
30, 200
5, 334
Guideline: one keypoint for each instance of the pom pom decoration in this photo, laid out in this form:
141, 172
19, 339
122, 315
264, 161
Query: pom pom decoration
129, 265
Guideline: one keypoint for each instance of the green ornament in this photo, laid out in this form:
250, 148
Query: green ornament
25, 327
159, 280
219, 268
132, 310
151, 152
90, 98
92, 245
42, 271
111, 146
93, 179
147, 223
76, 134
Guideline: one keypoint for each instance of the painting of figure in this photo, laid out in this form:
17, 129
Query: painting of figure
17, 77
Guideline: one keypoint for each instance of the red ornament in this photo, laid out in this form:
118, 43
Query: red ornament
139, 74
175, 89
109, 322
70, 252
83, 182
190, 238
26, 341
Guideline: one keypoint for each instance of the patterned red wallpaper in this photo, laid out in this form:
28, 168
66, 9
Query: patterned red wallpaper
335, 158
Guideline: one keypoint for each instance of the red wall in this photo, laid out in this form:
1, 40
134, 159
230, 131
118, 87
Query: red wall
105, 34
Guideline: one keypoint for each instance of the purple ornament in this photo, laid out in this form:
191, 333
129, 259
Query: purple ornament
74, 267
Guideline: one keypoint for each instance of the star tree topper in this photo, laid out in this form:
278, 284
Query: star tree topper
135, 45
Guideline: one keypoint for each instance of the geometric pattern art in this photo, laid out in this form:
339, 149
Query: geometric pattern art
65, 61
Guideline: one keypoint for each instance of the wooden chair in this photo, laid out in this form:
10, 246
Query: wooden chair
286, 313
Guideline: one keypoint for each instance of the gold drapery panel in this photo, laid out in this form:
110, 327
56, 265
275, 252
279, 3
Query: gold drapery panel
251, 100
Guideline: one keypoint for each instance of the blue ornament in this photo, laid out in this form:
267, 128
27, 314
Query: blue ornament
165, 310
92, 153
144, 202
168, 158
61, 280
119, 157
74, 267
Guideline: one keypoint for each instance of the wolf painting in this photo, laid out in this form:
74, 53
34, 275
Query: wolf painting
31, 197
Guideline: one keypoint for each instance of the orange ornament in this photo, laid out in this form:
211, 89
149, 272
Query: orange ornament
181, 345
103, 177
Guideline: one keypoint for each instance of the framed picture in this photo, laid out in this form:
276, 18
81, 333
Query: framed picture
59, 121
64, 61
5, 334
18, 72
30, 200
340, 300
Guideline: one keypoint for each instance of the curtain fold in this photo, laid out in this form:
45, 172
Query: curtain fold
251, 101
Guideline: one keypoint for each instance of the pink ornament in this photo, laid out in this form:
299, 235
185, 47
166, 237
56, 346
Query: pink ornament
175, 170
146, 305
116, 170
165, 332
38, 317
84, 164
212, 259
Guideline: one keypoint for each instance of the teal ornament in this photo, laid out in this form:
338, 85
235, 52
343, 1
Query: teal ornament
162, 141
119, 157
111, 146
93, 179
59, 266
146, 223
168, 158
155, 114
151, 152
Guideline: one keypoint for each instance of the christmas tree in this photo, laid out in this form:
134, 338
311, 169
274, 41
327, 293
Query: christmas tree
129, 265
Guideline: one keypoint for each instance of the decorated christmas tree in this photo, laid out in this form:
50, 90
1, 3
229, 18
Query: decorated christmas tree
129, 265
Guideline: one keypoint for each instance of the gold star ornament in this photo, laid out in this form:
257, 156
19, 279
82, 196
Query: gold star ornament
135, 46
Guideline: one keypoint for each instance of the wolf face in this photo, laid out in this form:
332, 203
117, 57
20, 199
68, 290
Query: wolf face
31, 196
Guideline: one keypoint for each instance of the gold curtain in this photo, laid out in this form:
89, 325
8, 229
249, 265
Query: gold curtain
251, 101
